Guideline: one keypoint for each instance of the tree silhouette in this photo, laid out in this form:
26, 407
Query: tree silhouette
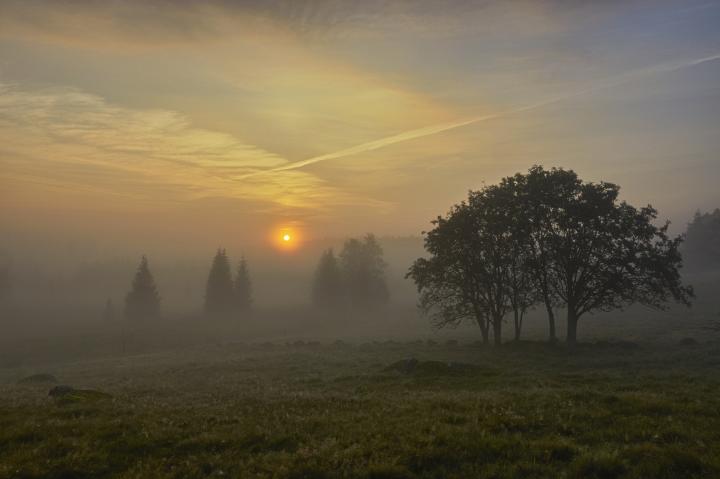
702, 241
537, 204
546, 237
219, 295
143, 300
606, 254
363, 271
243, 288
473, 272
327, 290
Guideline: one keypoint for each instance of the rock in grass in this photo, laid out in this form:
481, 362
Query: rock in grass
405, 366
38, 379
70, 394
59, 391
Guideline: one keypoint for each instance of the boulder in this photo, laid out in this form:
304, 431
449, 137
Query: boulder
405, 366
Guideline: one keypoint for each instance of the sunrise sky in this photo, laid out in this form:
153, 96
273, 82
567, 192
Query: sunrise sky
155, 121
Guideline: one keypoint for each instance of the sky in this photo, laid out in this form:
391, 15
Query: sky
155, 124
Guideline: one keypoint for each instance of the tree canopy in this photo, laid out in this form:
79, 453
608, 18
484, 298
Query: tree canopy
546, 237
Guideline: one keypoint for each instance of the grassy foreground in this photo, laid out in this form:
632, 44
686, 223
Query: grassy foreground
324, 411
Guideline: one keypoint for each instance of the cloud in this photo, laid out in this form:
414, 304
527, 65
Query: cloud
63, 136
443, 127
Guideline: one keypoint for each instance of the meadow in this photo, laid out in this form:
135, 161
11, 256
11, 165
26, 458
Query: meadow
334, 409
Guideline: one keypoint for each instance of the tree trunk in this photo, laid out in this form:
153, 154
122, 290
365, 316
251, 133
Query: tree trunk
497, 331
551, 320
483, 329
572, 320
518, 325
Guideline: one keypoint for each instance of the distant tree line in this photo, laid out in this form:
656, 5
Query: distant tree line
355, 279
545, 238
225, 295
702, 241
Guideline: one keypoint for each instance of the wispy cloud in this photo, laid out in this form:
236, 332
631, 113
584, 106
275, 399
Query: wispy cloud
65, 136
440, 128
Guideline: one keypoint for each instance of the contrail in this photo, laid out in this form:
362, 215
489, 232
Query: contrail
434, 129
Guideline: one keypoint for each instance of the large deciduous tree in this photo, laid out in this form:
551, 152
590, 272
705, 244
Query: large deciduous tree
474, 271
546, 237
606, 254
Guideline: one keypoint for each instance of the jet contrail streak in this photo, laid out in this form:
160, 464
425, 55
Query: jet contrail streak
434, 129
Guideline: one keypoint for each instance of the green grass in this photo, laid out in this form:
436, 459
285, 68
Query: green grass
325, 411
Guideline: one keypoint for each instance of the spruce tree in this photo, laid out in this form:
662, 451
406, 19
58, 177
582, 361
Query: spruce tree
243, 288
143, 300
327, 291
219, 296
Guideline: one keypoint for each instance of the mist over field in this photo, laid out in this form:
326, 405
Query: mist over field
386, 239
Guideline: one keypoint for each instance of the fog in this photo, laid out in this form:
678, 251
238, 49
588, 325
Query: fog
330, 239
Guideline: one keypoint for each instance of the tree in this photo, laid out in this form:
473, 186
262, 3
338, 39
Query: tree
591, 252
219, 295
546, 237
702, 241
327, 289
474, 271
537, 204
143, 300
243, 288
363, 271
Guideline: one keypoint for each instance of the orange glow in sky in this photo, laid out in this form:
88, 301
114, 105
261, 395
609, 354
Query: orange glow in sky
285, 238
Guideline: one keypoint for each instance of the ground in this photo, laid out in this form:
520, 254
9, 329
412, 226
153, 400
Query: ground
603, 410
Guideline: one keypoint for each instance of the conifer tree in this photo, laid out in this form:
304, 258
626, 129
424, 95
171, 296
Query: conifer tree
143, 300
243, 288
327, 292
219, 297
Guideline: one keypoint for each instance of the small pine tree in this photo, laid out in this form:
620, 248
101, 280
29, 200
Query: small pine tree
243, 288
327, 291
219, 297
143, 300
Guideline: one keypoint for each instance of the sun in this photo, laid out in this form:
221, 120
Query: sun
286, 238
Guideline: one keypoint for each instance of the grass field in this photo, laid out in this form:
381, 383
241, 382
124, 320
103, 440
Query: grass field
310, 410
